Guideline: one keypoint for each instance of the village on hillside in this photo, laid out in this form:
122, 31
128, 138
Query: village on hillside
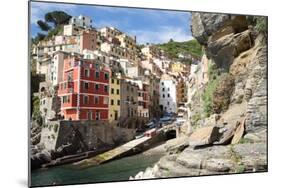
103, 76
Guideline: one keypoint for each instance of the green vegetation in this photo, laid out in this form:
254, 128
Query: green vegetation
209, 90
54, 31
244, 141
261, 24
43, 25
55, 19
217, 93
172, 48
36, 114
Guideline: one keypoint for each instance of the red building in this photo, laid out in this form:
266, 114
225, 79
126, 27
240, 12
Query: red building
84, 90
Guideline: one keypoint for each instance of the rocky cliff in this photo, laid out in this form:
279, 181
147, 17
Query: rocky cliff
228, 113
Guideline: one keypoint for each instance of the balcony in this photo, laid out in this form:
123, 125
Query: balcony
66, 87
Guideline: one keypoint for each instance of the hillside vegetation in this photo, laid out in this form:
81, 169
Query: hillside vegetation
172, 48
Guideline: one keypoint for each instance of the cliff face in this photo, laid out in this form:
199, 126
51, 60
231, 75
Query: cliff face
234, 131
239, 51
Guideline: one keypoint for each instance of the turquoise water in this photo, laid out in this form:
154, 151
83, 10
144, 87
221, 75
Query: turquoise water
116, 170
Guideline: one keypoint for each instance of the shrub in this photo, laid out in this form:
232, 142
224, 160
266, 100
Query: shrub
261, 24
36, 114
209, 90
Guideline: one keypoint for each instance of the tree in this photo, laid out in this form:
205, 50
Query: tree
43, 25
57, 17
40, 36
171, 40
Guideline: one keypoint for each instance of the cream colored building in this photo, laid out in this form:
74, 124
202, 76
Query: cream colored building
114, 98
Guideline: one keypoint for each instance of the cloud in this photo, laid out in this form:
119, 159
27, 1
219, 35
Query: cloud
161, 35
39, 9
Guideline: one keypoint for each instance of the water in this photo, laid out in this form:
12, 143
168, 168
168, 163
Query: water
116, 170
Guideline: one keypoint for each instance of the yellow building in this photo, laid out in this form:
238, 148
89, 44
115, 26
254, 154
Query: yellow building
177, 67
114, 99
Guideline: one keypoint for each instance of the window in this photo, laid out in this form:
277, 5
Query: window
168, 89
106, 89
118, 102
168, 94
96, 99
65, 99
97, 86
112, 102
97, 74
106, 76
163, 89
85, 100
128, 88
87, 73
163, 95
168, 103
112, 90
112, 81
132, 89
115, 115
105, 100
162, 83
97, 115
86, 85
117, 91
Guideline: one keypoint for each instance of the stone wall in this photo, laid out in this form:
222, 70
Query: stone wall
84, 135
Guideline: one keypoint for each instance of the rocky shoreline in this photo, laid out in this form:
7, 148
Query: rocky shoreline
213, 160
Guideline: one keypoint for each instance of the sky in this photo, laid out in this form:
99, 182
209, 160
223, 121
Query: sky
150, 26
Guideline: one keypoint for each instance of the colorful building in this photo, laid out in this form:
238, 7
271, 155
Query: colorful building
84, 90
181, 92
177, 67
114, 98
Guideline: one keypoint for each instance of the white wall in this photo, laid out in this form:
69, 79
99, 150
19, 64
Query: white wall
81, 21
169, 103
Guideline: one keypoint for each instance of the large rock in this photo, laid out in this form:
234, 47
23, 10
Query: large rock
204, 136
206, 24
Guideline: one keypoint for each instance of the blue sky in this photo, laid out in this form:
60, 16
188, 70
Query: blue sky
152, 26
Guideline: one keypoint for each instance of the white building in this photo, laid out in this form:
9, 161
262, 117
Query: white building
42, 65
129, 68
168, 94
55, 68
81, 21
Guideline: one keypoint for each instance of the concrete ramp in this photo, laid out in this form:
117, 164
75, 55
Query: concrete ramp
111, 154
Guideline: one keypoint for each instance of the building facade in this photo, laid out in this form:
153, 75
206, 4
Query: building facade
84, 90
81, 21
114, 98
168, 98
129, 98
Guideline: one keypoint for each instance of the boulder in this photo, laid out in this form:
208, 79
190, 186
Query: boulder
238, 132
204, 136
227, 134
